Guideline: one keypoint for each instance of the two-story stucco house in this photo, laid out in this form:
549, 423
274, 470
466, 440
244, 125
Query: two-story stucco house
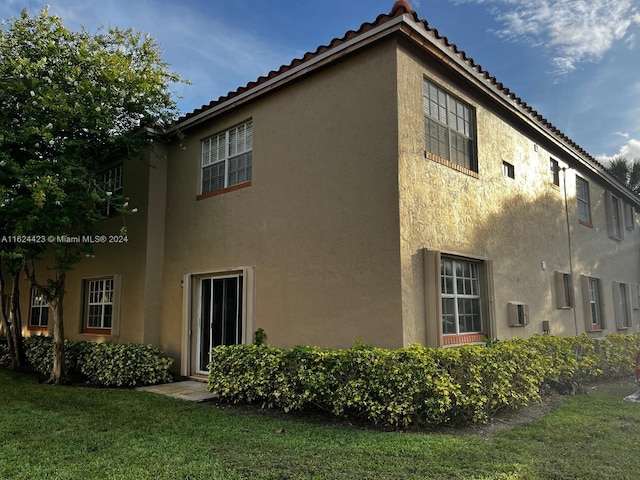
384, 187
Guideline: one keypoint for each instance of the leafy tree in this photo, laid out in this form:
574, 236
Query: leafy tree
70, 101
627, 171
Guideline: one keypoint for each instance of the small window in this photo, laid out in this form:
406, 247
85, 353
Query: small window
584, 202
508, 170
112, 180
564, 290
554, 167
518, 314
39, 310
227, 158
613, 207
449, 128
100, 306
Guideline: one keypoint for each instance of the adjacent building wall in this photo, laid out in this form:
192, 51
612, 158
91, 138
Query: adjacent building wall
518, 225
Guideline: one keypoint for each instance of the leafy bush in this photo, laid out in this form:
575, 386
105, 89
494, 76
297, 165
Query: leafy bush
125, 365
5, 360
618, 354
39, 354
416, 384
104, 364
491, 378
38, 350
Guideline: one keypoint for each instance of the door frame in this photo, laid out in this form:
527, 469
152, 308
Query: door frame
191, 299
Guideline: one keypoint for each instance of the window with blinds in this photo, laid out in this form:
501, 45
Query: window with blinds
227, 158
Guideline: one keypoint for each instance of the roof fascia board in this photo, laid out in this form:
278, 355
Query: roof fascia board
417, 33
295, 72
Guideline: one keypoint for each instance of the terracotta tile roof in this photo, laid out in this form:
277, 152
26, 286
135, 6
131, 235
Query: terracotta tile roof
402, 7
399, 8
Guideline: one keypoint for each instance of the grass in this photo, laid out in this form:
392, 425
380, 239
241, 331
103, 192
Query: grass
50, 432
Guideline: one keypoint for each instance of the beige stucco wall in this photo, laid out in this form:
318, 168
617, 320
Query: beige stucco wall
517, 224
319, 224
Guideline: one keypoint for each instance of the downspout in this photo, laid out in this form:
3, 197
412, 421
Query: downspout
566, 212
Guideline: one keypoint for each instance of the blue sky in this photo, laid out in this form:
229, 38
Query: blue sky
577, 62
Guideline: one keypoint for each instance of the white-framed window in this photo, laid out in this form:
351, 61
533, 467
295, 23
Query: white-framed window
554, 168
622, 305
584, 201
460, 296
613, 206
112, 180
592, 303
227, 158
39, 310
449, 127
100, 305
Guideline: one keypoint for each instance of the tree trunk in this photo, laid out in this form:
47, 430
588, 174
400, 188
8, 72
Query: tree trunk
58, 372
16, 322
6, 324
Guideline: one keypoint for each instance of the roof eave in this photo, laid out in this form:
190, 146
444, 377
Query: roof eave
294, 73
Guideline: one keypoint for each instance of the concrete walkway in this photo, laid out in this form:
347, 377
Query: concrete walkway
187, 390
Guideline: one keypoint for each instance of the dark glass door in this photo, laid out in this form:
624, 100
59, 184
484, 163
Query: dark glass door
220, 321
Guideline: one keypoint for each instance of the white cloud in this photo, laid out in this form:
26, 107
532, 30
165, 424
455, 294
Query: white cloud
630, 150
574, 31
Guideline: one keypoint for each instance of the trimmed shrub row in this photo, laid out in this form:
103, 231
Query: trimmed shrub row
102, 364
419, 385
5, 360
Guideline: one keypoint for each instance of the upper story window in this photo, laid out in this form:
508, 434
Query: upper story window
629, 216
508, 170
554, 167
227, 158
613, 207
112, 180
584, 202
448, 127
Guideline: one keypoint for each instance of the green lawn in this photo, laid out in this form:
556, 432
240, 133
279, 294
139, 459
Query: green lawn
72, 432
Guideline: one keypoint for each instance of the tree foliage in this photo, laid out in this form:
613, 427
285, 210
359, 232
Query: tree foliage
71, 101
627, 171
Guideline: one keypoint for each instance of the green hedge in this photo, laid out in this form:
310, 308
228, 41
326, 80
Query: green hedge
418, 384
5, 360
125, 365
103, 364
